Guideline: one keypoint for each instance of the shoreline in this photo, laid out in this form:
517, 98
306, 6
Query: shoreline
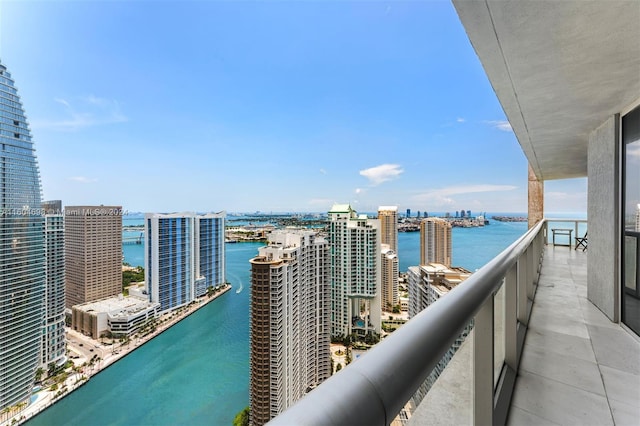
46, 398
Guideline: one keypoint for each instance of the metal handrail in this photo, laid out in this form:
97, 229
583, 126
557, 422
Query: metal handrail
374, 389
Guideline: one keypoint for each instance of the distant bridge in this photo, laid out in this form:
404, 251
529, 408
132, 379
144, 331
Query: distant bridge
133, 240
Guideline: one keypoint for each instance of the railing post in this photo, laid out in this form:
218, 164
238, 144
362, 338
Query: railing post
523, 298
531, 265
483, 365
511, 318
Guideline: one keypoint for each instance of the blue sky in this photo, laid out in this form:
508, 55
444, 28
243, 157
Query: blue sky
271, 106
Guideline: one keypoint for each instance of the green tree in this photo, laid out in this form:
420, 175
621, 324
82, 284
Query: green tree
339, 367
39, 373
242, 418
132, 276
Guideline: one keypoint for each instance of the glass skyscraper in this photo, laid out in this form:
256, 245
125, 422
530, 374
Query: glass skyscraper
22, 250
184, 256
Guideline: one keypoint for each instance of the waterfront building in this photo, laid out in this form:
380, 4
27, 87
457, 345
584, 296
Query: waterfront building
408, 212
435, 241
22, 250
184, 256
93, 253
290, 321
53, 337
356, 302
210, 260
116, 316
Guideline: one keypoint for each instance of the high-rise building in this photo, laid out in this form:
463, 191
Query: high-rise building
210, 261
427, 284
53, 338
22, 260
93, 253
355, 272
184, 256
388, 217
435, 241
290, 321
637, 227
408, 212
389, 277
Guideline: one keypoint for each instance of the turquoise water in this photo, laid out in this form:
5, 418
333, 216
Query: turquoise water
197, 372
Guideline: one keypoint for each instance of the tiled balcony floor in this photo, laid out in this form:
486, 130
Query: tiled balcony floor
577, 367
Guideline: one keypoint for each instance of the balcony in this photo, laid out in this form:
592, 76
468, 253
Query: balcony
540, 353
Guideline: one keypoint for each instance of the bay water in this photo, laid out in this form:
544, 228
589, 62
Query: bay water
197, 372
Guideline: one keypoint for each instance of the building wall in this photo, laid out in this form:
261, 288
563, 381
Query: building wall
53, 337
184, 256
259, 383
210, 251
603, 213
389, 264
170, 265
93, 252
388, 217
435, 241
356, 271
22, 266
290, 322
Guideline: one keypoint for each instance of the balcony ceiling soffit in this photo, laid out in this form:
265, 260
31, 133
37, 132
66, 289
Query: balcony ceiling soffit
559, 69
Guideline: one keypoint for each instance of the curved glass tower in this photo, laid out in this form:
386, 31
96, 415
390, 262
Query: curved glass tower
22, 267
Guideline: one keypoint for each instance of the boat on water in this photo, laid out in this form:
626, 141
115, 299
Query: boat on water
239, 289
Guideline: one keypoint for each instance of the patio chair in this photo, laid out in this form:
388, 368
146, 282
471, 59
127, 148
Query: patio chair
581, 242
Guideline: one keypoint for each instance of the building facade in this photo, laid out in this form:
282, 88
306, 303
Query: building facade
290, 321
435, 241
53, 337
210, 262
389, 277
118, 316
427, 284
388, 217
22, 257
93, 253
355, 272
184, 256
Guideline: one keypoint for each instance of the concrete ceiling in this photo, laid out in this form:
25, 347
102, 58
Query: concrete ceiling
559, 68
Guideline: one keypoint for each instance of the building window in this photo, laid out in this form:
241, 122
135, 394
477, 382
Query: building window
631, 226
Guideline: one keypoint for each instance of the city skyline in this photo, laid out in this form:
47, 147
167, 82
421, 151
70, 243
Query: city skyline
371, 103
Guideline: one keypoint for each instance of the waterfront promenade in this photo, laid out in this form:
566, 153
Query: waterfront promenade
83, 349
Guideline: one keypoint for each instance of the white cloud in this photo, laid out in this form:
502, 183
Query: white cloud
83, 112
443, 197
382, 173
460, 120
503, 125
323, 171
358, 190
82, 179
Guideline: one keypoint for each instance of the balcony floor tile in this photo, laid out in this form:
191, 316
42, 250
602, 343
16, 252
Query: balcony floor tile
559, 403
518, 416
548, 362
577, 366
